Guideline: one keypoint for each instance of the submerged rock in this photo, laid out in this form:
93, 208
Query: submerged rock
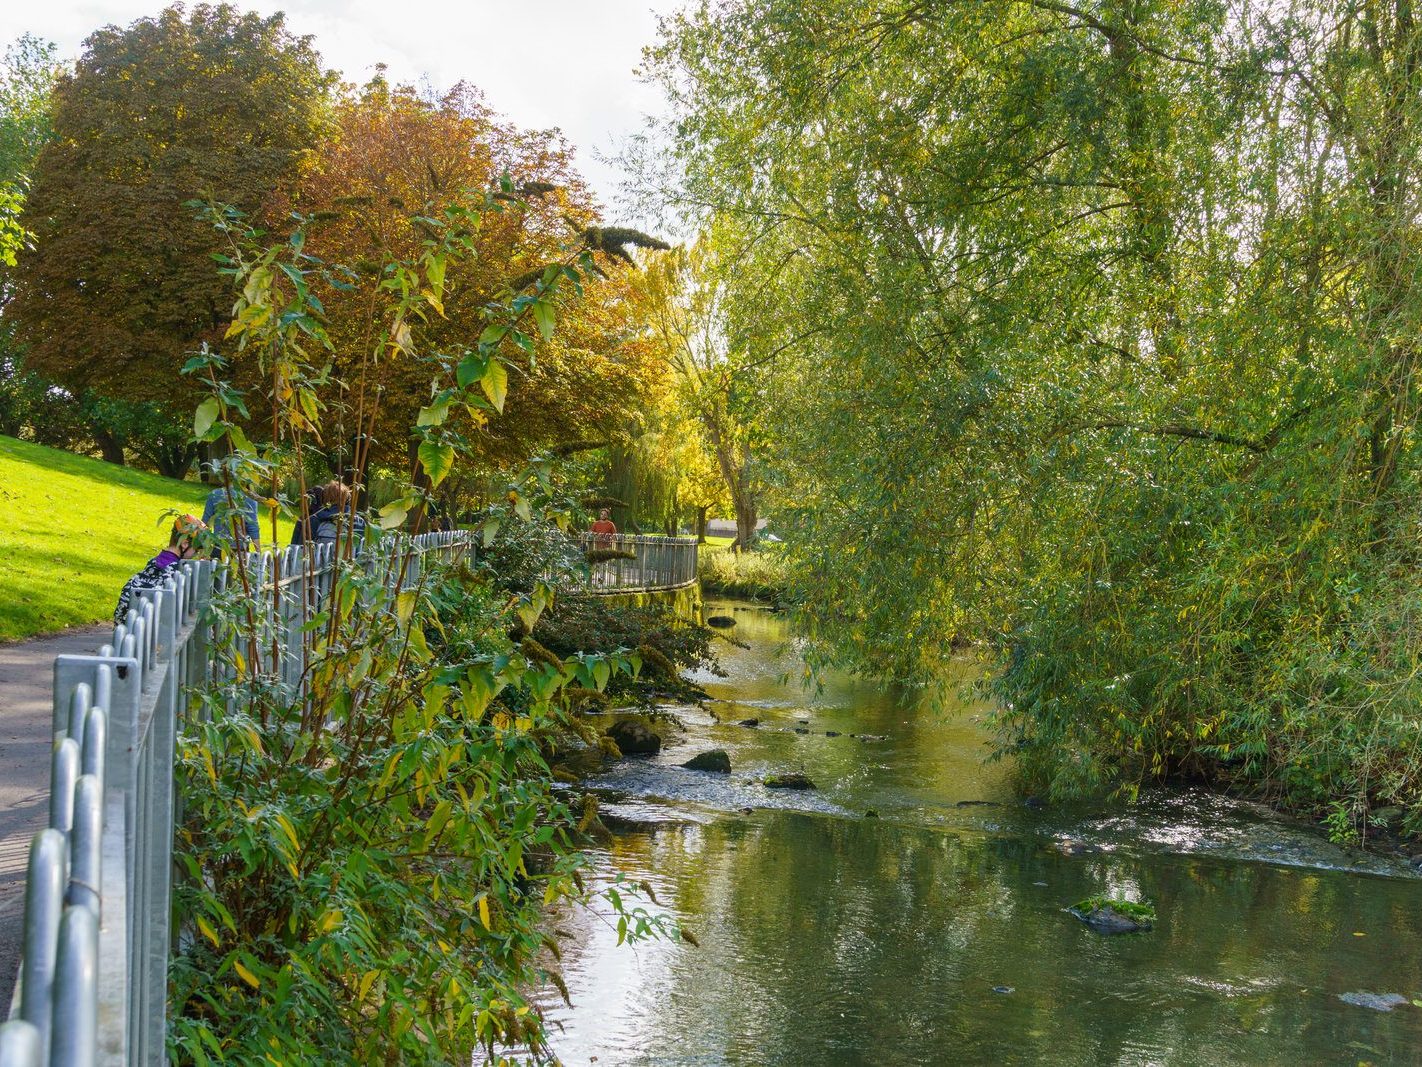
749, 722
1114, 916
716, 761
1375, 1001
977, 804
793, 780
1003, 989
802, 729
635, 738
831, 733
721, 622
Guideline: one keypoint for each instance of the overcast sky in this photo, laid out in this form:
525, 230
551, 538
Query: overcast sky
563, 63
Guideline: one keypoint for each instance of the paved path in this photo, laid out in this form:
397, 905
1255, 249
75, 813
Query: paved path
26, 715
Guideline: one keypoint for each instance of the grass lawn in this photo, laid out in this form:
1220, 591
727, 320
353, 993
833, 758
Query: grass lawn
72, 531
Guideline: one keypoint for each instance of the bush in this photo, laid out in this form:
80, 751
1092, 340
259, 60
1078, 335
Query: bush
758, 574
367, 867
590, 624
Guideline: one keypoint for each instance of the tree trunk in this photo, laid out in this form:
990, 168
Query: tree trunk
701, 525
174, 462
746, 519
108, 445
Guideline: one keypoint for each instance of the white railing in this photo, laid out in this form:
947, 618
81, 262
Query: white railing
94, 973
623, 563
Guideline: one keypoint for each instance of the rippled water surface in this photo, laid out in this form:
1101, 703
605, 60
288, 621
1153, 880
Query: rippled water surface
934, 933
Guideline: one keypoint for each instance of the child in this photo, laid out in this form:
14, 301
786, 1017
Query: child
181, 546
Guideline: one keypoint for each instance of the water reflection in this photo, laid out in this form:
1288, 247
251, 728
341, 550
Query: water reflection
830, 938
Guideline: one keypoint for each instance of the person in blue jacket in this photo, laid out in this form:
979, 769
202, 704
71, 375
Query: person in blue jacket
240, 531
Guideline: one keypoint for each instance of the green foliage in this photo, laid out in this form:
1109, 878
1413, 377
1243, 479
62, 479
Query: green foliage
758, 574
1142, 912
368, 869
586, 623
368, 858
1092, 339
27, 74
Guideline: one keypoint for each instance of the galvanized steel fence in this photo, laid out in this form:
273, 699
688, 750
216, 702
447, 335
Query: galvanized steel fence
97, 935
619, 563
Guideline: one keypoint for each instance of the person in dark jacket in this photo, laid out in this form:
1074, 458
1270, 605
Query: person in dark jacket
329, 522
182, 544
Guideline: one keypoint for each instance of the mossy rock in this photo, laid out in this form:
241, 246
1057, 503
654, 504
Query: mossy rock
634, 737
1110, 916
792, 780
717, 761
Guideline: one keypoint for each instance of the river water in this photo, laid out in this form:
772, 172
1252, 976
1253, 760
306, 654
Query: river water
935, 933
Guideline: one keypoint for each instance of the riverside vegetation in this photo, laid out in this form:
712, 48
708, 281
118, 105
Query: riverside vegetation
367, 862
1087, 331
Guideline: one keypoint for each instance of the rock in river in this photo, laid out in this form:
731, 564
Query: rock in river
1376, 1001
635, 738
716, 761
721, 622
792, 780
1114, 917
749, 722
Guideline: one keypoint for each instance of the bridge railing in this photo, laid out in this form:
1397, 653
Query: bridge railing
96, 942
623, 563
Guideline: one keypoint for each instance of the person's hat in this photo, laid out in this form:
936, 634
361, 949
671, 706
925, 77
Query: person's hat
188, 525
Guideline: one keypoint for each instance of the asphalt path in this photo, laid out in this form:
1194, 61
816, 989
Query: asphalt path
26, 738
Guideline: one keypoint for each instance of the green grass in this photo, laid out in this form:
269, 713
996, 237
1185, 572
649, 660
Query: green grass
759, 574
72, 531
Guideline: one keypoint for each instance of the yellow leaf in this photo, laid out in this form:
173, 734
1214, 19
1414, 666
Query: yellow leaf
366, 981
329, 920
290, 831
207, 930
247, 976
404, 607
484, 913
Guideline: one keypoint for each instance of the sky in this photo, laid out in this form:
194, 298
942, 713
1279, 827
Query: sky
558, 63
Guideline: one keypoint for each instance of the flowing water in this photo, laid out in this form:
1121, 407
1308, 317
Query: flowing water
935, 933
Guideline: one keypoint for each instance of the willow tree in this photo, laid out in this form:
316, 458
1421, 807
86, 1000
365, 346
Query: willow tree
686, 293
1100, 329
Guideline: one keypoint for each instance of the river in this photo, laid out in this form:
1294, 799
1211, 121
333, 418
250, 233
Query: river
935, 933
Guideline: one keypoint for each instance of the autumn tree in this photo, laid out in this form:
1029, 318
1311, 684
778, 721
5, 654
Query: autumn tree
119, 285
396, 153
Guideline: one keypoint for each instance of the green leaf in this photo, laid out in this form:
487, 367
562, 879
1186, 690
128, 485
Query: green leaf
437, 460
493, 334
392, 516
543, 315
495, 384
433, 414
205, 415
471, 369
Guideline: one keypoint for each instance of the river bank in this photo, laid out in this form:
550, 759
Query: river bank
829, 934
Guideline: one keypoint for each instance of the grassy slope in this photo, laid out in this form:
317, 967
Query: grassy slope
72, 531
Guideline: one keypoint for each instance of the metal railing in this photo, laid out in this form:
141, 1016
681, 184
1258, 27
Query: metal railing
626, 563
94, 973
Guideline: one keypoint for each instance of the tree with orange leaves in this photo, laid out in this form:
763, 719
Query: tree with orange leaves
397, 153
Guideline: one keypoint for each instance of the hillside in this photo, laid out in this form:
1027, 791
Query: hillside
72, 531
